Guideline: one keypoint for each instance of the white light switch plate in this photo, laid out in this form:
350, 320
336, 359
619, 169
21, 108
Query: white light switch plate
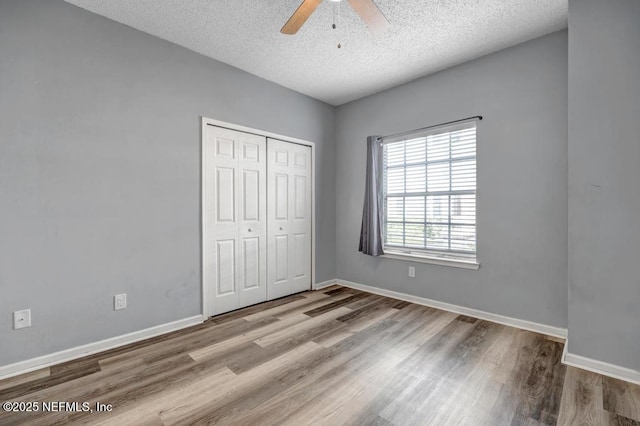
22, 319
412, 271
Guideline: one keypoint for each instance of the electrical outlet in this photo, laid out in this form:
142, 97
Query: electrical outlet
412, 271
22, 319
119, 301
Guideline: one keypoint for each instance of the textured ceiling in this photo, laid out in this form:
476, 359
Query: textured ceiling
425, 36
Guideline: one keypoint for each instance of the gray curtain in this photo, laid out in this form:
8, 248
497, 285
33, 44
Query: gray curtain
371, 231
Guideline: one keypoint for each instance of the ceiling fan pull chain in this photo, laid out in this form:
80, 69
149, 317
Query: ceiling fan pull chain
336, 5
333, 11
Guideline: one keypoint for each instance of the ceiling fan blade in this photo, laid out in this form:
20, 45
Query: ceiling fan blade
300, 16
370, 14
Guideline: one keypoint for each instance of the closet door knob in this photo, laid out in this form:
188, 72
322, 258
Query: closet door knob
249, 229
281, 228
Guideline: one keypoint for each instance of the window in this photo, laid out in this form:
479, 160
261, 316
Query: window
430, 193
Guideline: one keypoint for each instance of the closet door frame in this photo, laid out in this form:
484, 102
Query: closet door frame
203, 213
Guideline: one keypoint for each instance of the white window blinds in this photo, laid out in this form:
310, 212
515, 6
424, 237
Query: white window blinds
430, 192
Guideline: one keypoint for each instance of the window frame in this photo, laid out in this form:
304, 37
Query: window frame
457, 258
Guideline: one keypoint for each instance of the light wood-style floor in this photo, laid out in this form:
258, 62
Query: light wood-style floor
335, 356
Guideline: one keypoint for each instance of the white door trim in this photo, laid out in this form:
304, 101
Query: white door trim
211, 122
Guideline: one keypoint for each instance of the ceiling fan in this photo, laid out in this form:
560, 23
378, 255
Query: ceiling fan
367, 10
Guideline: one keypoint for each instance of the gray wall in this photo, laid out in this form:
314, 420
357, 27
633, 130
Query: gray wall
100, 172
604, 173
522, 180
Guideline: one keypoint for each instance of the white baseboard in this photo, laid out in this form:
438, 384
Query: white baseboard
324, 284
500, 319
22, 367
599, 367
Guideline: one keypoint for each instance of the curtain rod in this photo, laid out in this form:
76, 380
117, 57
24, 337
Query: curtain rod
479, 117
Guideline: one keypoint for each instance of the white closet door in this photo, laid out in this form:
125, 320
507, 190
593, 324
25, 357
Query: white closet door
289, 218
235, 219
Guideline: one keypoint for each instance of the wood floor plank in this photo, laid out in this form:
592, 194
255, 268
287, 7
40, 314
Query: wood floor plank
465, 379
330, 288
354, 325
621, 398
513, 374
310, 305
25, 378
465, 318
301, 327
343, 403
127, 364
259, 354
315, 298
186, 343
358, 324
120, 390
355, 314
152, 377
244, 385
357, 384
102, 383
338, 356
414, 312
364, 377
337, 291
556, 339
365, 300
209, 339
400, 304
581, 402
539, 398
436, 349
335, 336
63, 374
449, 358
241, 313
172, 399
415, 318
334, 305
618, 420
217, 348
321, 376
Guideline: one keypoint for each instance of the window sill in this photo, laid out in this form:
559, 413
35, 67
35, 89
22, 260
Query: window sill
456, 263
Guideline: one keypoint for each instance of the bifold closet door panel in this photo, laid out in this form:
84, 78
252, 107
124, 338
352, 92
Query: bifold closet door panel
235, 232
300, 214
289, 218
278, 189
253, 219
